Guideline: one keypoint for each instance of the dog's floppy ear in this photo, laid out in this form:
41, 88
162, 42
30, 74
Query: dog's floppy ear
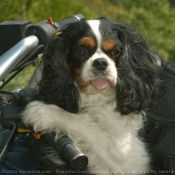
57, 85
139, 72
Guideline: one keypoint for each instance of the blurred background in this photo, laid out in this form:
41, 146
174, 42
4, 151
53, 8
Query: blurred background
155, 19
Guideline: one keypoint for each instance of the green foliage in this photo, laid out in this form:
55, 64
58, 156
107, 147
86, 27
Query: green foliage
153, 18
41, 9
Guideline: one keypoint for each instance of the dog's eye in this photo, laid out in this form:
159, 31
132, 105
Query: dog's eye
81, 52
115, 53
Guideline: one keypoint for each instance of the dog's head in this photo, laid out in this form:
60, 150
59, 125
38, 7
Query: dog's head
97, 55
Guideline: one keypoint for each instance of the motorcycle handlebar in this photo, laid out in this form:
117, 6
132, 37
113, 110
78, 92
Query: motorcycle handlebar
11, 58
37, 34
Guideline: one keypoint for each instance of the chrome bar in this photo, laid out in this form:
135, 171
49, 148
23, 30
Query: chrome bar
10, 59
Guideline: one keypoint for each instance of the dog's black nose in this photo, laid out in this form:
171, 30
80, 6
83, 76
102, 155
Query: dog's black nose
100, 64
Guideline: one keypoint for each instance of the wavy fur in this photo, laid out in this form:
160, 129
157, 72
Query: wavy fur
139, 70
104, 123
57, 85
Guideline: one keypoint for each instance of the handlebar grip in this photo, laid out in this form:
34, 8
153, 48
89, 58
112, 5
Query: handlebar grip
45, 31
69, 20
67, 151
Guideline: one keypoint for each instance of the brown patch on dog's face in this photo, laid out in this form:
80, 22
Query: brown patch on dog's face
108, 45
88, 42
81, 83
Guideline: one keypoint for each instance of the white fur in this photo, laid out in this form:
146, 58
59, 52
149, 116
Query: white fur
95, 24
108, 139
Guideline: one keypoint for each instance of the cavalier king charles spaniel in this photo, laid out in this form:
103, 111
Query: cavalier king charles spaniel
98, 78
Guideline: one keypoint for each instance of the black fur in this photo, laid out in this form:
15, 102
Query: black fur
57, 84
139, 68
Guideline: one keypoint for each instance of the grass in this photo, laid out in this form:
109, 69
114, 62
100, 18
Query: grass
21, 80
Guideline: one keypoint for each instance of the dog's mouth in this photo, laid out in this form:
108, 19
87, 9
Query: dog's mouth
100, 83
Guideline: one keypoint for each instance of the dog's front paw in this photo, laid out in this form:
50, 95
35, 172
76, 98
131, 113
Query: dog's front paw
35, 115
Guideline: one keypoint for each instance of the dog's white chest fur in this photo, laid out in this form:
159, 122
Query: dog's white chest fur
108, 139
